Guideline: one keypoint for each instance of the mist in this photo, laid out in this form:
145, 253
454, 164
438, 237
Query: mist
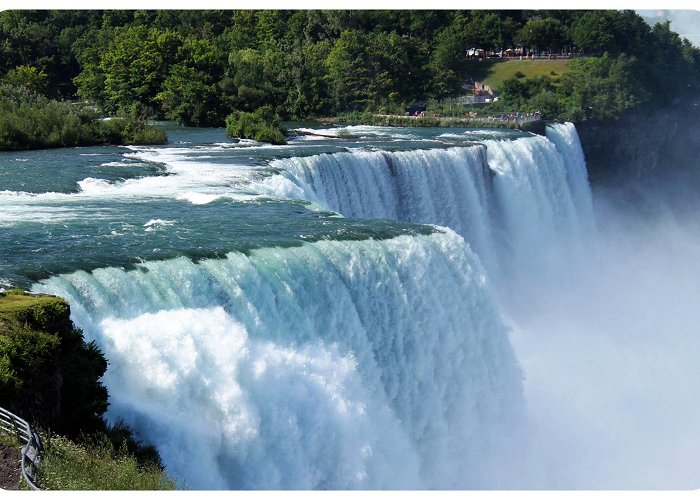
609, 345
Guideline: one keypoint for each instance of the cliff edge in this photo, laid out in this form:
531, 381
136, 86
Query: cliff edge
650, 142
48, 373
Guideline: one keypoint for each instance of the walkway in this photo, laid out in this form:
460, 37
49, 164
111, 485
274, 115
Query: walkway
10, 470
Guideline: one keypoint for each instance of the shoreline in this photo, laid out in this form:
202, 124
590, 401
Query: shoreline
532, 125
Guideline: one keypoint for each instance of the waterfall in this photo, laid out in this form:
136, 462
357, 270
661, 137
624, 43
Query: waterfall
519, 203
449, 187
334, 364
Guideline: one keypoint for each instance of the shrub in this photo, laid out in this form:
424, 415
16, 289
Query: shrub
261, 125
29, 120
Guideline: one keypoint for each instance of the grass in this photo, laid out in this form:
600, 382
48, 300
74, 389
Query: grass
494, 73
97, 466
14, 302
94, 466
41, 313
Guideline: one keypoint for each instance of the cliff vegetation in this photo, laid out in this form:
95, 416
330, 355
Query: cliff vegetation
51, 377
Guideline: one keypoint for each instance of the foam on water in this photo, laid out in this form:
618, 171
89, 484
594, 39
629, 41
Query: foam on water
385, 363
360, 131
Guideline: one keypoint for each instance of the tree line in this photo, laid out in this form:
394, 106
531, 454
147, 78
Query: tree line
197, 67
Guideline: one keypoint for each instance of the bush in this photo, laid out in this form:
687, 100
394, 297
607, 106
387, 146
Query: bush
29, 120
261, 125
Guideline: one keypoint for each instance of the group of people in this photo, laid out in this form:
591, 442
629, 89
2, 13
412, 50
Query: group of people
516, 116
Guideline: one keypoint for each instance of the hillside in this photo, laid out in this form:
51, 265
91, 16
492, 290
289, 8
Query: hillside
197, 67
494, 72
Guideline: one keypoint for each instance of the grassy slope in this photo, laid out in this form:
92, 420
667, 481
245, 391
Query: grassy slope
493, 73
68, 466
13, 305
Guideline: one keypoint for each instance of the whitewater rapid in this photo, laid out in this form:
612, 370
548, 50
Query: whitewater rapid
375, 363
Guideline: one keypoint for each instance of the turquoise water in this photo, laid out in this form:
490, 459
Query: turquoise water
201, 195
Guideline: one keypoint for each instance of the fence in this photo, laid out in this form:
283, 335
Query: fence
32, 449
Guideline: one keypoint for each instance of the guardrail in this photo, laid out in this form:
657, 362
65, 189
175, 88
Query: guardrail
32, 449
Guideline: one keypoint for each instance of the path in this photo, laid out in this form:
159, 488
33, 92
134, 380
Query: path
10, 470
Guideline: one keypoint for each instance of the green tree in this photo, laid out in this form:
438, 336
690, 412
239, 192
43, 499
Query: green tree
190, 94
305, 73
594, 32
34, 79
446, 60
366, 70
349, 71
601, 88
134, 66
254, 79
261, 125
186, 99
541, 34
485, 31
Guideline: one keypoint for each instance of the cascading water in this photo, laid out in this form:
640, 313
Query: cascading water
518, 204
543, 200
449, 187
365, 364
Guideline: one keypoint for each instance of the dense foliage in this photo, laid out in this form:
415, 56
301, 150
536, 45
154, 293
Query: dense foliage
639, 64
50, 376
261, 125
30, 120
196, 67
48, 373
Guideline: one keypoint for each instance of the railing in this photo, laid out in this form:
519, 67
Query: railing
32, 449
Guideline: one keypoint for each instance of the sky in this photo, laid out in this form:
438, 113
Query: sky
683, 22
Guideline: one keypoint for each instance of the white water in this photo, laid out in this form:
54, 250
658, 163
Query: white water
447, 187
520, 205
372, 364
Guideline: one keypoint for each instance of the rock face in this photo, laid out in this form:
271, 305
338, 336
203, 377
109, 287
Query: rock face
649, 142
48, 374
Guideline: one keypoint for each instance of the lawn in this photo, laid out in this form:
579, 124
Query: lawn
494, 72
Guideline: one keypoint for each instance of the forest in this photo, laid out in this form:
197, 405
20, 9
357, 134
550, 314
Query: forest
198, 67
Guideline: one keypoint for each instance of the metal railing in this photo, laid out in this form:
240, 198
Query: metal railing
32, 449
